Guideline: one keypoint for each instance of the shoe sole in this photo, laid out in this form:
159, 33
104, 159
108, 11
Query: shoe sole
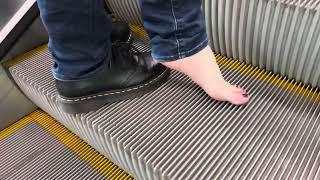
93, 102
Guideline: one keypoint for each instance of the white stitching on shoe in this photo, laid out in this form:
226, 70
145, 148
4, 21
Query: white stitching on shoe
130, 37
117, 92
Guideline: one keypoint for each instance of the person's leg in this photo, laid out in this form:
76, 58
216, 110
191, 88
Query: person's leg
79, 36
94, 64
179, 41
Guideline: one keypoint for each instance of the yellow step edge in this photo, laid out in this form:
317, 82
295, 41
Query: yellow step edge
139, 30
14, 127
239, 64
24, 56
78, 146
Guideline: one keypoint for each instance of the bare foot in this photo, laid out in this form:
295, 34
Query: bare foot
203, 70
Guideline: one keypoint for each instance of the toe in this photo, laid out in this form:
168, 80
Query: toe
239, 98
236, 88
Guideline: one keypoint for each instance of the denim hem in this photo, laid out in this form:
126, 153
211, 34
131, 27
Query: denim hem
101, 68
62, 77
182, 54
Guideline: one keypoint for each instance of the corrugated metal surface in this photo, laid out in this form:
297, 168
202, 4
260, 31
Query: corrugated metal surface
126, 10
22, 158
38, 147
279, 35
178, 132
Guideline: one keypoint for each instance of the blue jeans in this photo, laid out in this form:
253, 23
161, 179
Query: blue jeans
79, 33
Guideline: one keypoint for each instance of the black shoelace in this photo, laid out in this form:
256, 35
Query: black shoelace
124, 53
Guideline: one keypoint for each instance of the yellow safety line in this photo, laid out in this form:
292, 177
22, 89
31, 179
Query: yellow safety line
284, 86
24, 56
139, 30
104, 166
14, 127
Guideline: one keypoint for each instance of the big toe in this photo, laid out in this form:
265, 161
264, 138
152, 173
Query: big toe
238, 98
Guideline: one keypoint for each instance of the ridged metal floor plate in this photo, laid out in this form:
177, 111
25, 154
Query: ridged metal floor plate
279, 35
178, 132
38, 147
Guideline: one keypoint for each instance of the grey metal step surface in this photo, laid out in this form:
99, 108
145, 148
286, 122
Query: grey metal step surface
278, 35
178, 132
34, 153
13, 104
39, 147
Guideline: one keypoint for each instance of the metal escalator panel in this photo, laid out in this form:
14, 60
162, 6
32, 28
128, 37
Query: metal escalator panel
281, 36
38, 147
178, 132
8, 9
126, 10
16, 16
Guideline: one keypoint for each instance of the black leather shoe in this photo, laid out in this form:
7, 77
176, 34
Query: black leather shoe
128, 75
121, 32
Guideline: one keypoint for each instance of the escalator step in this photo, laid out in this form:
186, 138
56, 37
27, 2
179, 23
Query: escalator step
178, 132
38, 147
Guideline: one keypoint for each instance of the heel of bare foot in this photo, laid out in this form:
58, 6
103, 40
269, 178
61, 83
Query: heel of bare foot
203, 70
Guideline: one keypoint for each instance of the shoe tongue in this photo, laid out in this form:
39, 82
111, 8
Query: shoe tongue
122, 55
145, 59
127, 56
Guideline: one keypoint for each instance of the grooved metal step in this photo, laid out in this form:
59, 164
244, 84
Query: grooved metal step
178, 132
278, 35
38, 147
